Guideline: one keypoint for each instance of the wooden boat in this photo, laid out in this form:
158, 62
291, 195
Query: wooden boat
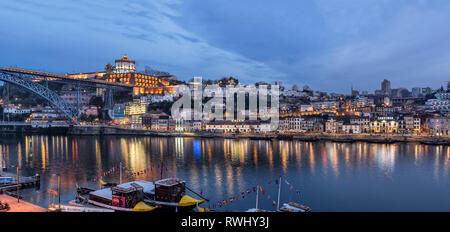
78, 208
166, 194
294, 207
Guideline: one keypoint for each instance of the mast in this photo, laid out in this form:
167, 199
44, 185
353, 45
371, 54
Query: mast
279, 193
257, 196
120, 168
162, 167
59, 192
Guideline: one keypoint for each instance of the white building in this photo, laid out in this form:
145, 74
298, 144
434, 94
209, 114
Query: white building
409, 125
332, 126
362, 122
157, 98
439, 126
238, 126
351, 129
441, 103
325, 105
124, 65
384, 125
306, 108
16, 110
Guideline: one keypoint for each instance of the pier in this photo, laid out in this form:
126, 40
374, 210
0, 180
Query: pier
12, 185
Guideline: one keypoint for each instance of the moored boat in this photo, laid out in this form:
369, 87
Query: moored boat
294, 207
437, 143
166, 194
382, 141
342, 140
78, 208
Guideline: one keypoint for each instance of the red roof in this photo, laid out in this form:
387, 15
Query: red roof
125, 59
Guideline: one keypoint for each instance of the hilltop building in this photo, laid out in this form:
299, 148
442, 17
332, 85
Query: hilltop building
124, 72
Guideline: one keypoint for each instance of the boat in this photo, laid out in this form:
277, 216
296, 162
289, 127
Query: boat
166, 194
255, 210
342, 140
78, 208
286, 207
294, 207
444, 143
382, 141
306, 139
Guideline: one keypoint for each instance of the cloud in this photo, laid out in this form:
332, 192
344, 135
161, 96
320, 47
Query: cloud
329, 45
409, 47
68, 36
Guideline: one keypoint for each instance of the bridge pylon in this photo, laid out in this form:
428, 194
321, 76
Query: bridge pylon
109, 98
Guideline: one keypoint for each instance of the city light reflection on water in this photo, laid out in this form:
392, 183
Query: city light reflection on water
329, 176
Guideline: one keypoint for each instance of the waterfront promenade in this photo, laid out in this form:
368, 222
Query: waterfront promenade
100, 130
22, 206
378, 138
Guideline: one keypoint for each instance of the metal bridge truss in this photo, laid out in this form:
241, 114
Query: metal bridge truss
25, 81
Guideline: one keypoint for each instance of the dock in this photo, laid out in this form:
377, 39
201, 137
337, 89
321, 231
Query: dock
24, 182
21, 206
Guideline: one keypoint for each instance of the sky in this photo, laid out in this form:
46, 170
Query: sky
330, 45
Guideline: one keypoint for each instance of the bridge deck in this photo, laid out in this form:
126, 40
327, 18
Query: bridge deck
63, 77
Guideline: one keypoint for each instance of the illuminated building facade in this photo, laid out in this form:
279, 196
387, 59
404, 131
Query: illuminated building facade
238, 126
124, 72
384, 125
135, 108
439, 126
125, 65
85, 76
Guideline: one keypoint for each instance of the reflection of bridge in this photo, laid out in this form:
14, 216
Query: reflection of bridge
29, 80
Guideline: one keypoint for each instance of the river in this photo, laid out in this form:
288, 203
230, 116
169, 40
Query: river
326, 176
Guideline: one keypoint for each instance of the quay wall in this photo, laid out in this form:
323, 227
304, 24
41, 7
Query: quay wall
109, 130
91, 130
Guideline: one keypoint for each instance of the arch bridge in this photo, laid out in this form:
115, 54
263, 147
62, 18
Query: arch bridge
25, 81
30, 79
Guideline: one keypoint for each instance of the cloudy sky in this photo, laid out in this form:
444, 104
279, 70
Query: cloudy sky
329, 45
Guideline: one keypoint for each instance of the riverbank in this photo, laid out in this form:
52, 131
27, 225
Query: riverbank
94, 130
371, 138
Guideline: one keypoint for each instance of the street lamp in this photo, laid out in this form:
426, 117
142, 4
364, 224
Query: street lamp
59, 190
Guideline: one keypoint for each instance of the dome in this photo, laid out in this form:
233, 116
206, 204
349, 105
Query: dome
125, 59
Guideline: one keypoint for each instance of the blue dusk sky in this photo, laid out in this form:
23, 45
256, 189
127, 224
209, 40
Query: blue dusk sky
329, 45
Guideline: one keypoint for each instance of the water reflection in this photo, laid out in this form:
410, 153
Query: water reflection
332, 176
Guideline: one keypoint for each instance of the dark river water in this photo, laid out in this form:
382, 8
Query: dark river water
326, 176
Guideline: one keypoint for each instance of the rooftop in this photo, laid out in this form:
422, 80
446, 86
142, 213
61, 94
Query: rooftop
169, 181
125, 59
